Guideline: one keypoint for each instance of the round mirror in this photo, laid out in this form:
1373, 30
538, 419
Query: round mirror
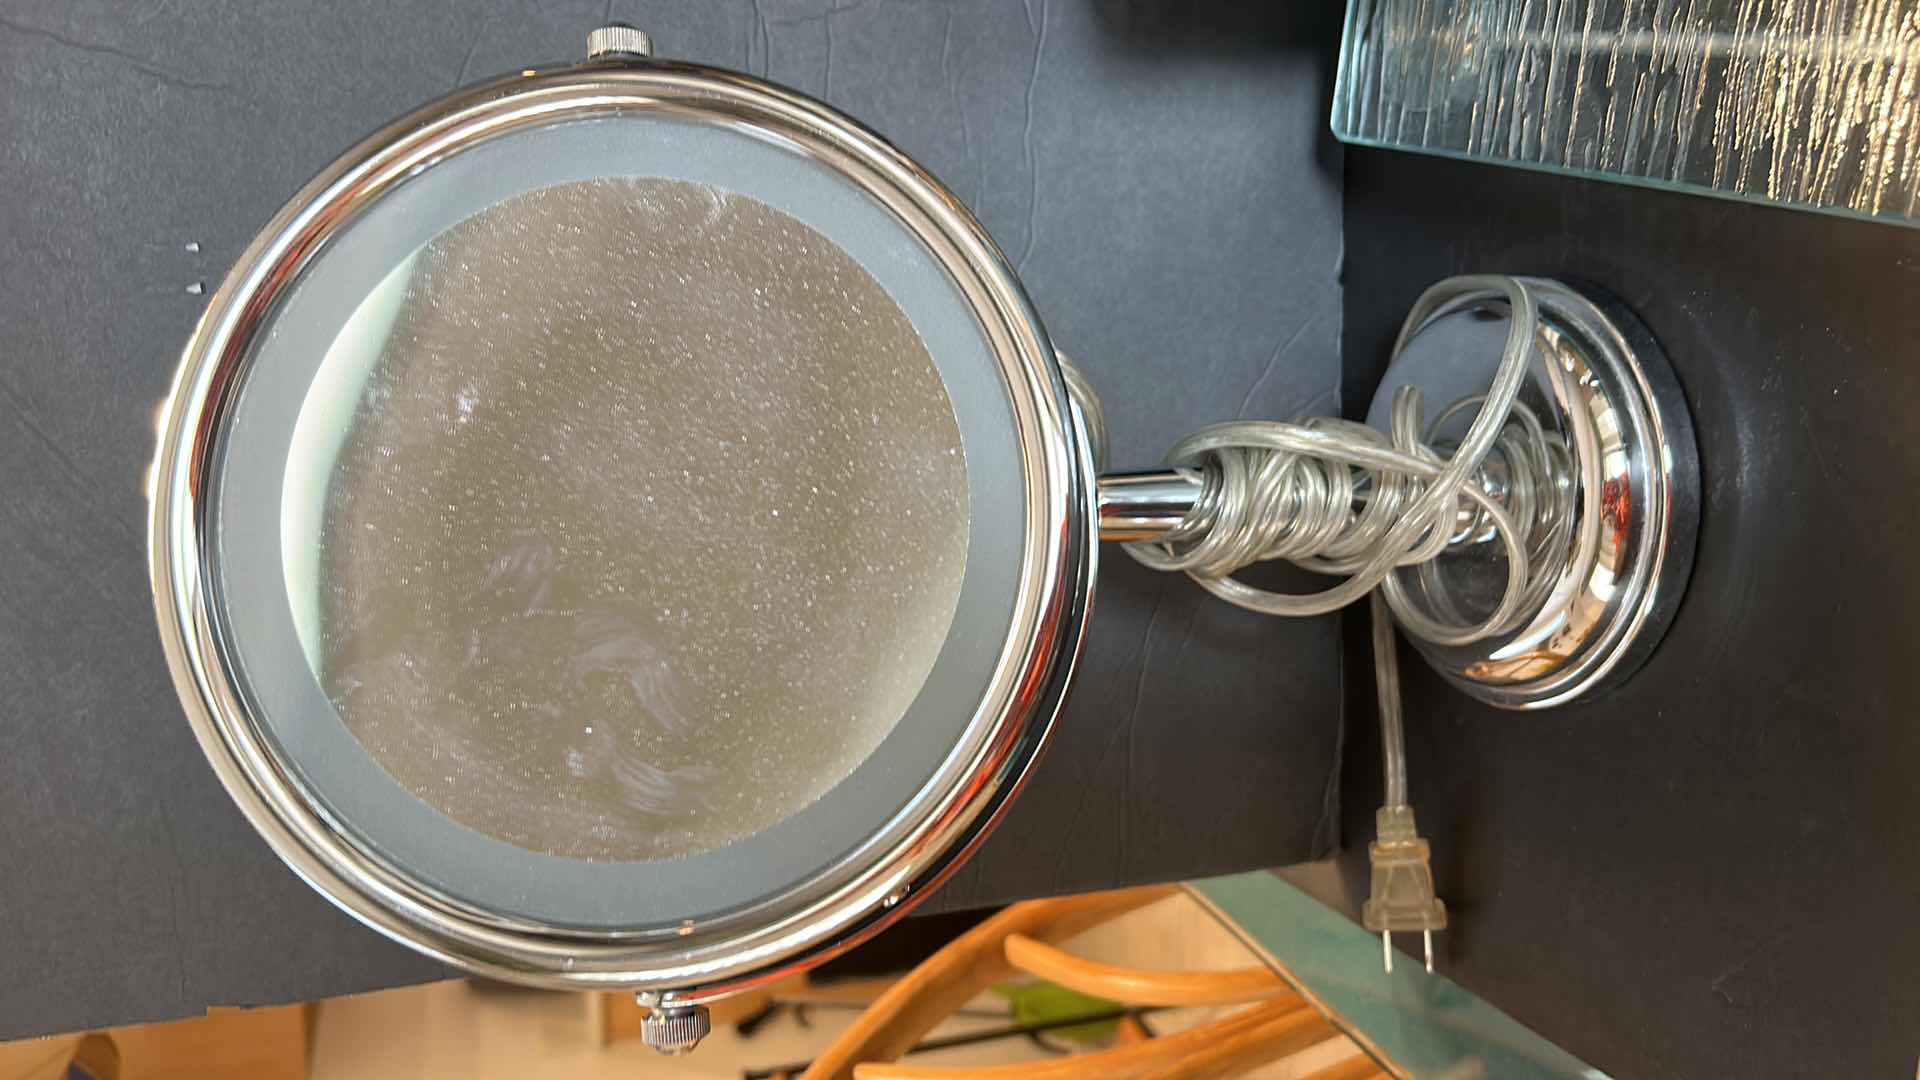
622, 525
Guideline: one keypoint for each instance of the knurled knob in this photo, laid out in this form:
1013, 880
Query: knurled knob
675, 1029
618, 39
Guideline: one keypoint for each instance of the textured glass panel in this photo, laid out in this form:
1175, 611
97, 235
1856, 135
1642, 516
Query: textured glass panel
1810, 103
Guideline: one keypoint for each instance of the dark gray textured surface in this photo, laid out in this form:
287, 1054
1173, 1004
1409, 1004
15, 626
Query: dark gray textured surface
1160, 173
1712, 870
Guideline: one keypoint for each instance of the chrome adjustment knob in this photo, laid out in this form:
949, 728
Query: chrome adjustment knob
617, 40
675, 1029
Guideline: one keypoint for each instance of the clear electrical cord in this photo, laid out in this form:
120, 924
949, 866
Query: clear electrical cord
1343, 499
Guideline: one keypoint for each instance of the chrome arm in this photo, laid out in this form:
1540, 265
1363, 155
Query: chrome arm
1146, 505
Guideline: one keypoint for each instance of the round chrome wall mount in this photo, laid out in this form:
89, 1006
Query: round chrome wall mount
1627, 471
1526, 494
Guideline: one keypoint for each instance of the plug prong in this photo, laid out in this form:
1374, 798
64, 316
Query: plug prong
1386, 949
1427, 936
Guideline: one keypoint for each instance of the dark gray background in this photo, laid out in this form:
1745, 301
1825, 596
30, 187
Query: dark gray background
1715, 870
1160, 173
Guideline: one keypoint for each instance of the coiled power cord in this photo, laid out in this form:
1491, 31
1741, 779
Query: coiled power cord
1343, 499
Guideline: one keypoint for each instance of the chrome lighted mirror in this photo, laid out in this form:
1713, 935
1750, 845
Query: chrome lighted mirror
623, 525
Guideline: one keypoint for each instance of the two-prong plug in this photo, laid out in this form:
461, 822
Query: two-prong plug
1402, 897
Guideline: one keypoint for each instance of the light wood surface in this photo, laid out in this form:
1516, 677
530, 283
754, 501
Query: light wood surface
225, 1044
37, 1059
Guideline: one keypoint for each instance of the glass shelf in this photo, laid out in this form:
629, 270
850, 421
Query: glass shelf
1804, 103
